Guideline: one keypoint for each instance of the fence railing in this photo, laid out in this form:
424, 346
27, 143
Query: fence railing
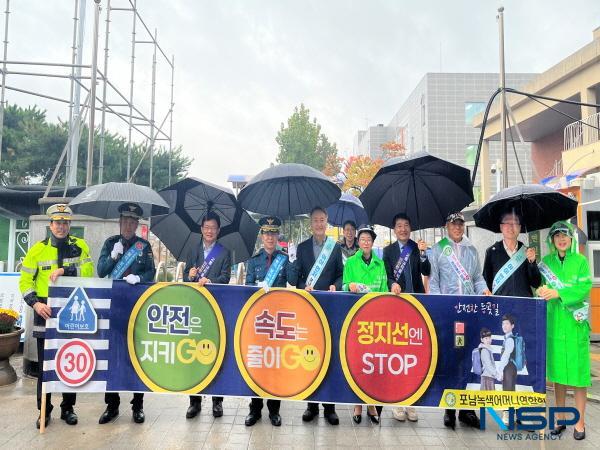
583, 132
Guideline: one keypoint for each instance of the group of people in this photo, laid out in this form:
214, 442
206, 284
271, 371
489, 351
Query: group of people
510, 268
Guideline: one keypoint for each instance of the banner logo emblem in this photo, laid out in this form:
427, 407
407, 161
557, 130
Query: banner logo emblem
282, 343
176, 338
388, 349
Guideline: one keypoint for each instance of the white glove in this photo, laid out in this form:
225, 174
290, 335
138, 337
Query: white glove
117, 250
264, 285
132, 279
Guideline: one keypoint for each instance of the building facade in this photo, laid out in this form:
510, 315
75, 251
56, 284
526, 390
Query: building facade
438, 117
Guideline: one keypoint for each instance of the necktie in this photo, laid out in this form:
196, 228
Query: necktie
269, 256
407, 274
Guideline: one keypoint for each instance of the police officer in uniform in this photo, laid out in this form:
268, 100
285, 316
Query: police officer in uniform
257, 269
141, 269
58, 255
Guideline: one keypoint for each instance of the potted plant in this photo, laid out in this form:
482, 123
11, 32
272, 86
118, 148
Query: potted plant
10, 336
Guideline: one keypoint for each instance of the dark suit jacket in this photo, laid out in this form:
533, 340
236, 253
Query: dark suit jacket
391, 253
332, 273
520, 283
143, 265
219, 272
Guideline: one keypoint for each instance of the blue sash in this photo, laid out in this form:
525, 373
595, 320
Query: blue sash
459, 270
509, 268
403, 259
209, 261
321, 261
127, 259
274, 270
579, 314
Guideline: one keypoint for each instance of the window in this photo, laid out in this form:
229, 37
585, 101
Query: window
593, 225
423, 122
470, 155
471, 110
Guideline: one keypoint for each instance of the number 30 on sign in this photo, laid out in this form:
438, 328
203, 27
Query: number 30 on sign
75, 362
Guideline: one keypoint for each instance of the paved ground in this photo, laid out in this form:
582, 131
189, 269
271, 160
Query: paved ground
166, 426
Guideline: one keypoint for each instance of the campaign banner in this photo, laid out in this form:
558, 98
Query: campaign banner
333, 347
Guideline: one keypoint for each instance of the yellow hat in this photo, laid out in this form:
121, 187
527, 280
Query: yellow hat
59, 212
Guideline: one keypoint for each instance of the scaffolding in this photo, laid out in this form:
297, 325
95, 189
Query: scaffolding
84, 78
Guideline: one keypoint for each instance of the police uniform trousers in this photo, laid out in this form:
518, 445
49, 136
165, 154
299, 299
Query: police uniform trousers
256, 405
113, 401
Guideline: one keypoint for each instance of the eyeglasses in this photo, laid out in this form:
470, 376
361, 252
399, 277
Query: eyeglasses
205, 228
511, 224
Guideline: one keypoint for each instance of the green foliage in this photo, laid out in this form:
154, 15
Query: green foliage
301, 141
31, 148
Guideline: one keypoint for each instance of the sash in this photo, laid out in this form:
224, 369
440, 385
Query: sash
209, 260
127, 259
274, 270
320, 262
459, 270
509, 268
403, 260
579, 314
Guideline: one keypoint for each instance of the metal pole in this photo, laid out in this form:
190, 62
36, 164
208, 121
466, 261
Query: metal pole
152, 107
90, 151
131, 90
104, 76
2, 102
503, 100
72, 89
75, 132
171, 118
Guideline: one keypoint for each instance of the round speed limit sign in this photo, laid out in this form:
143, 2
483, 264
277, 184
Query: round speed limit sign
75, 362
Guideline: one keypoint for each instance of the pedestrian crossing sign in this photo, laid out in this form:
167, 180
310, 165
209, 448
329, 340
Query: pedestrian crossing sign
78, 314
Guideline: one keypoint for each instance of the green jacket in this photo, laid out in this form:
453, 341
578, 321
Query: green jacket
372, 275
567, 341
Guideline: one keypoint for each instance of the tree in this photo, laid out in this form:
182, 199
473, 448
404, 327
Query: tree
392, 149
301, 141
359, 171
31, 148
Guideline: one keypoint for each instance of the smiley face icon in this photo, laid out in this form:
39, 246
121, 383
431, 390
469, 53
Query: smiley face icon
206, 351
310, 357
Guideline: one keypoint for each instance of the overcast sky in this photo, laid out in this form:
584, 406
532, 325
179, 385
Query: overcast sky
242, 66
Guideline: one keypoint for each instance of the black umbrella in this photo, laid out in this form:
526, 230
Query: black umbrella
103, 200
189, 200
288, 190
348, 207
539, 207
423, 187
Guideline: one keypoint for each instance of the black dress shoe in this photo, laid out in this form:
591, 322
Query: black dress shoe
217, 408
37, 423
252, 418
578, 435
558, 430
108, 415
332, 418
275, 419
357, 418
192, 411
469, 418
139, 416
69, 416
309, 414
374, 418
450, 419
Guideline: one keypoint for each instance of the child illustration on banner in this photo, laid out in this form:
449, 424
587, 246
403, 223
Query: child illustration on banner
483, 361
